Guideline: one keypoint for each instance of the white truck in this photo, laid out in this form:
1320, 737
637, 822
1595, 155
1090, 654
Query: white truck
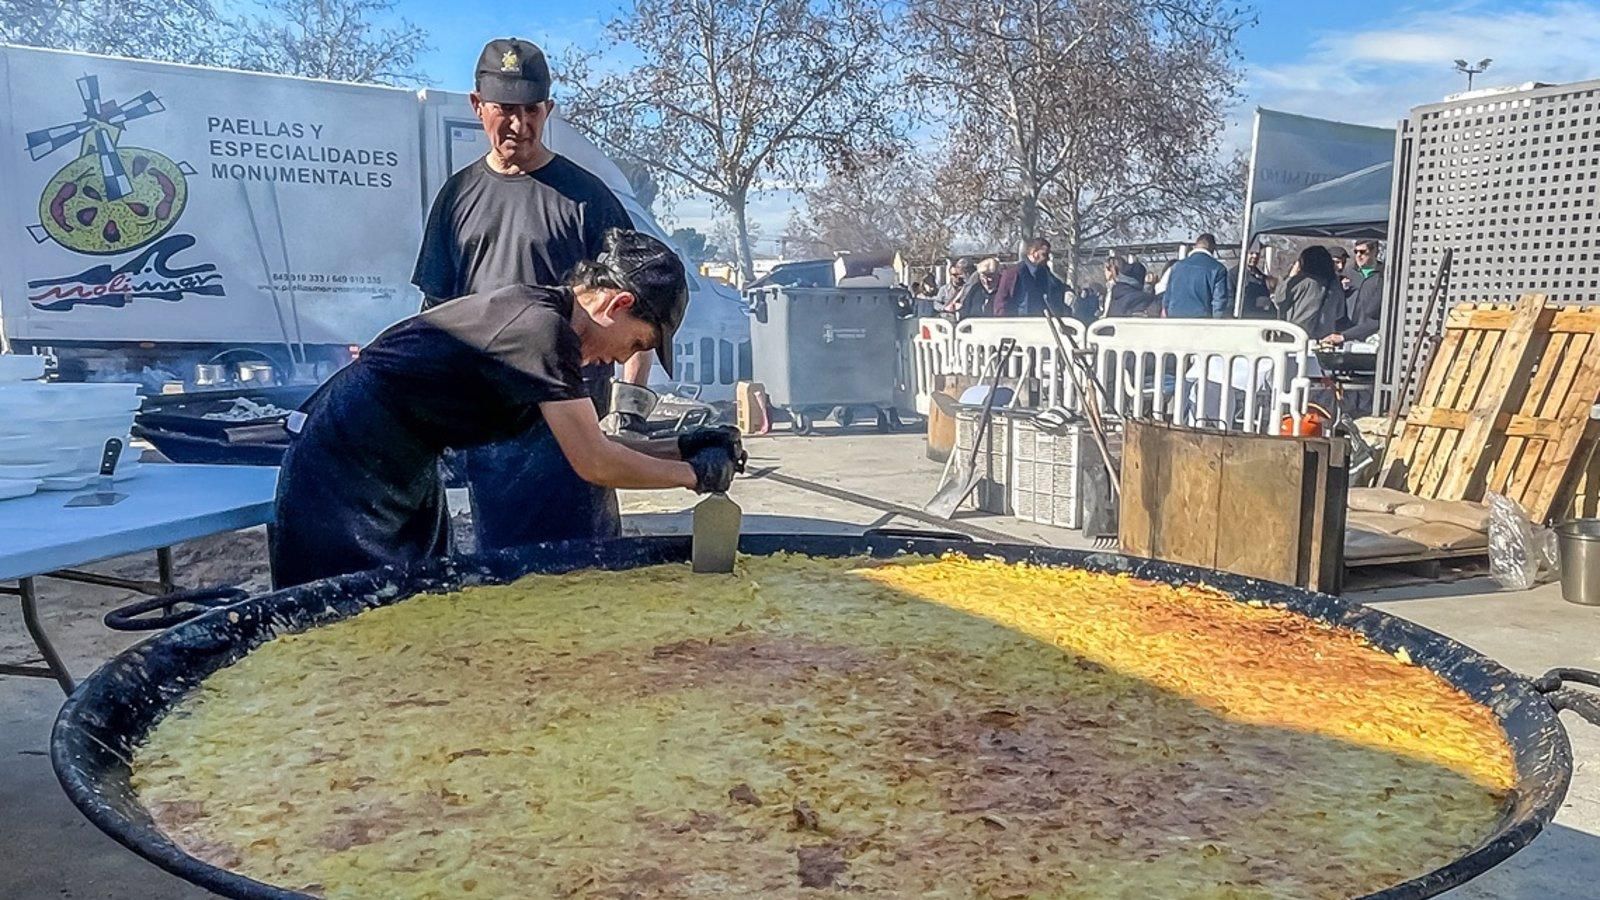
158, 216
161, 222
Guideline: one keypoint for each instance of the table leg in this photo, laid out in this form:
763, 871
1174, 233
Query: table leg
30, 620
164, 568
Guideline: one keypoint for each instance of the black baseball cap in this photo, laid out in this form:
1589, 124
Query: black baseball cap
513, 71
654, 275
1338, 253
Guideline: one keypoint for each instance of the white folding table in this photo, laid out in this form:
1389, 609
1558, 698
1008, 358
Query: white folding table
167, 504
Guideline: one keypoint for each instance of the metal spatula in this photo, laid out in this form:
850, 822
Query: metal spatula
716, 534
103, 494
961, 472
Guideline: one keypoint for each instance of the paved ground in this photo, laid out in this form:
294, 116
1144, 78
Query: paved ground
49, 851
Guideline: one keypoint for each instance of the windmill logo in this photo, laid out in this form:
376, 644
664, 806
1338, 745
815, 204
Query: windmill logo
112, 197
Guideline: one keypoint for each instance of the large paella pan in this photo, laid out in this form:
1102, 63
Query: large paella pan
888, 715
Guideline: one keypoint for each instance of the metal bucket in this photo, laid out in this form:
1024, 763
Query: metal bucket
257, 374
210, 375
1579, 541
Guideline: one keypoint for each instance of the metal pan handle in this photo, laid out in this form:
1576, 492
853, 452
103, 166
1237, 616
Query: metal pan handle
135, 616
1553, 685
898, 534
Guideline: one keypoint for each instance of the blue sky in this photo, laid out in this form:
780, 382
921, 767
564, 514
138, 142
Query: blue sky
1362, 61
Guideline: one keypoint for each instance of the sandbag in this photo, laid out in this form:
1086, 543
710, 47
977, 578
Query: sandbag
1387, 523
1359, 543
1469, 515
1446, 536
1381, 500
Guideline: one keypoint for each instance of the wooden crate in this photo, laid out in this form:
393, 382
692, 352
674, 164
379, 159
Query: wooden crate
1504, 407
1257, 505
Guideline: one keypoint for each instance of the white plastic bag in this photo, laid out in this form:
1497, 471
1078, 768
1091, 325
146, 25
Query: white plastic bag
1521, 554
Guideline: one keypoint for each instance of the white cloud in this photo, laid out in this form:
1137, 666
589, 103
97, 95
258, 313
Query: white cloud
1376, 74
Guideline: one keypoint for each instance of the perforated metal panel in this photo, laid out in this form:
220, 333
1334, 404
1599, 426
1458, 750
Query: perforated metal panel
1511, 182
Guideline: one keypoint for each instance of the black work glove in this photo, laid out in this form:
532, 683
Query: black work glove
714, 468
724, 436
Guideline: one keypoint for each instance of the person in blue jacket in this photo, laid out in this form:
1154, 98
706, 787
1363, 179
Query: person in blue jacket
1197, 285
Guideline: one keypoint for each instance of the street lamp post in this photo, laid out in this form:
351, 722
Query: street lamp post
1469, 70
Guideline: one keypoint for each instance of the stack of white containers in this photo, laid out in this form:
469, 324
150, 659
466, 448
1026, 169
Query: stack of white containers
52, 434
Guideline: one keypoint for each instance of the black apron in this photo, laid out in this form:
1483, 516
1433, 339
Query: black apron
347, 502
523, 491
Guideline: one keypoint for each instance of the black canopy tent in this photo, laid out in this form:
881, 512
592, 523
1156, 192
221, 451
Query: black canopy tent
1351, 206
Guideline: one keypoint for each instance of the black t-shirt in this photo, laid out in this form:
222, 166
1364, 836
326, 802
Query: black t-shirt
465, 373
487, 230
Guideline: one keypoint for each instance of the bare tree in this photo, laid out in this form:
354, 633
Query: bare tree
172, 30
734, 97
907, 202
695, 245
645, 187
1084, 119
343, 40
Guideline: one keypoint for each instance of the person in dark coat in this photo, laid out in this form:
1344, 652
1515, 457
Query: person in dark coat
977, 294
1086, 308
1026, 287
1364, 308
1197, 285
360, 485
1312, 296
1125, 287
1341, 268
1257, 291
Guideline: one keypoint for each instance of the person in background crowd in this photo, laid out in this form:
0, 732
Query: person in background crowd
1257, 292
1312, 297
925, 297
1340, 260
1026, 287
976, 297
1197, 285
1365, 304
1086, 305
955, 279
1125, 288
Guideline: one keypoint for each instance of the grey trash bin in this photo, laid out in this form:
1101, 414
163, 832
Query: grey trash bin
815, 349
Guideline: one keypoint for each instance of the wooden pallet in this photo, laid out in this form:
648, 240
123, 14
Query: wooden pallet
1540, 452
1505, 407
1420, 556
1469, 383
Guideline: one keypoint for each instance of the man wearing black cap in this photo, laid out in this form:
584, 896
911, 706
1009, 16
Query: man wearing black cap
1341, 259
521, 215
360, 486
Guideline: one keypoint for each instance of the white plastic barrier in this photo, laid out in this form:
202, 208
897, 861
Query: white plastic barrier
977, 342
931, 352
1232, 375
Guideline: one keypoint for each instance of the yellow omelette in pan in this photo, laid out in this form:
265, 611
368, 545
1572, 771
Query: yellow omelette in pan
826, 727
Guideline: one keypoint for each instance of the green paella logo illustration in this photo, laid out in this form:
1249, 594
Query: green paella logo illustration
112, 198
